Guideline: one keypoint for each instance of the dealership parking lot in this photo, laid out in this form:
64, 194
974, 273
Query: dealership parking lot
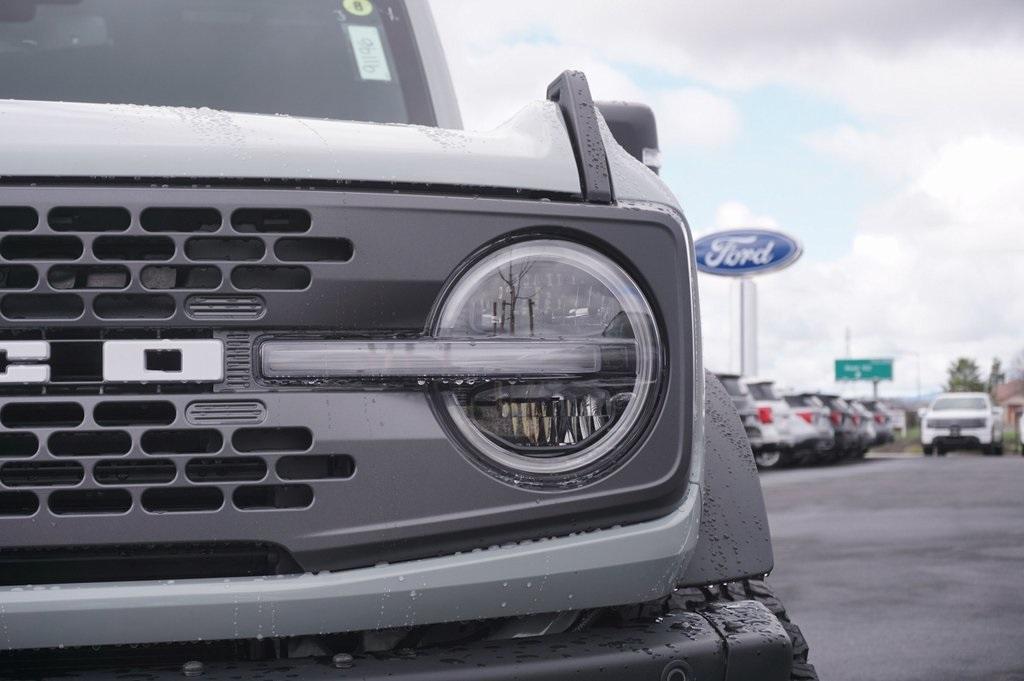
905, 567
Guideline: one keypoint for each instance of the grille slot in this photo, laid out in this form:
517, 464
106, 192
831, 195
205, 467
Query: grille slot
42, 306
182, 499
65, 277
180, 219
41, 473
18, 277
133, 248
316, 467
133, 306
18, 219
145, 472
224, 469
269, 497
313, 249
89, 219
134, 413
41, 248
14, 445
225, 412
231, 249
131, 562
272, 439
167, 277
90, 443
271, 220
199, 441
18, 503
90, 501
42, 415
271, 278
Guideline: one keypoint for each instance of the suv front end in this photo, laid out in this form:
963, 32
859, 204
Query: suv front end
301, 398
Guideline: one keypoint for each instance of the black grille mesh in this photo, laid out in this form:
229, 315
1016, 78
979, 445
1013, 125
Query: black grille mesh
113, 456
64, 266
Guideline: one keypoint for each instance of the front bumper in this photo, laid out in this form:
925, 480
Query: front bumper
567, 573
738, 640
964, 437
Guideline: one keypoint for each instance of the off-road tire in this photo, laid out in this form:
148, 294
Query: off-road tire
692, 598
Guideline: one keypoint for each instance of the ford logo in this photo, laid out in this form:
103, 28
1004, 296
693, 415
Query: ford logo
743, 252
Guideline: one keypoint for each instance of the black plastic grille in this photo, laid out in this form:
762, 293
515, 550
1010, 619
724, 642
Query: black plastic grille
949, 422
107, 456
162, 262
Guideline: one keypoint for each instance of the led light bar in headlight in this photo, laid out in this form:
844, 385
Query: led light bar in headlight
444, 359
544, 357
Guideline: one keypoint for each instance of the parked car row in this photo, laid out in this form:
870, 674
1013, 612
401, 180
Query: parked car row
805, 428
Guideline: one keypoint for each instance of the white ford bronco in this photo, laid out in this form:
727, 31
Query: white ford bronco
299, 380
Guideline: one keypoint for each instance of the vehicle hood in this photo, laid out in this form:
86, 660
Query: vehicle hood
531, 151
958, 414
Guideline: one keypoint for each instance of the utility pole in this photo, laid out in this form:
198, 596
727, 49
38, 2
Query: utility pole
917, 355
748, 327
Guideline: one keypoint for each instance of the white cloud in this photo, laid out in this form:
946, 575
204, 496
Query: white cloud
696, 117
733, 214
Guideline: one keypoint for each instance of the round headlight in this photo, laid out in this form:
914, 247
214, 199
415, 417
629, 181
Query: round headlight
585, 345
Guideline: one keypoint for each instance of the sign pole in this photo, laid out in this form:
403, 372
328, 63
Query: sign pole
748, 327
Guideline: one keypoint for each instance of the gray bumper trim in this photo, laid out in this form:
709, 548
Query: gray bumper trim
607, 567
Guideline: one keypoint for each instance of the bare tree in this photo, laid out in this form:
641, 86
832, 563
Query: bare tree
514, 285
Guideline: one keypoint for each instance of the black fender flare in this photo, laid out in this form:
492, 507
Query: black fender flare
734, 541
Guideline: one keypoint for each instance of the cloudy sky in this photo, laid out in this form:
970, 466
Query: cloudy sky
887, 136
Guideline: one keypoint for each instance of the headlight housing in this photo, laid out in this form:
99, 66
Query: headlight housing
545, 359
589, 370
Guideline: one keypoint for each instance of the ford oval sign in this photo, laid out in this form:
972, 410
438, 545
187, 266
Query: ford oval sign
745, 252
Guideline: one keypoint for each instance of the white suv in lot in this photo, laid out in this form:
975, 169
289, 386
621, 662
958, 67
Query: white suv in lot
961, 421
776, 419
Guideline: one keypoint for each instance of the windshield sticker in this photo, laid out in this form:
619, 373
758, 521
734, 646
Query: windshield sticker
357, 8
369, 51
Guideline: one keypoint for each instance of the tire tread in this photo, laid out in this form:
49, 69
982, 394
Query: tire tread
695, 598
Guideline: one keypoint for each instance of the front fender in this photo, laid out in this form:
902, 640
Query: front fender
734, 540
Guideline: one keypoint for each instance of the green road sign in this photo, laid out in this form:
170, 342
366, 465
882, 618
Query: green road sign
863, 369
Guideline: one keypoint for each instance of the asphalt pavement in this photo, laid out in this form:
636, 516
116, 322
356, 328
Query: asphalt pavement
904, 568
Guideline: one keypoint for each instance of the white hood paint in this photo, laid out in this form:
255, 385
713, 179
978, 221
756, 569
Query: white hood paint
56, 139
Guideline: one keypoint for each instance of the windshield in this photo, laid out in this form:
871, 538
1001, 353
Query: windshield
762, 391
950, 403
343, 59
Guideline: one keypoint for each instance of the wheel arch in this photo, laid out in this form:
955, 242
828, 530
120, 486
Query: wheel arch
734, 540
